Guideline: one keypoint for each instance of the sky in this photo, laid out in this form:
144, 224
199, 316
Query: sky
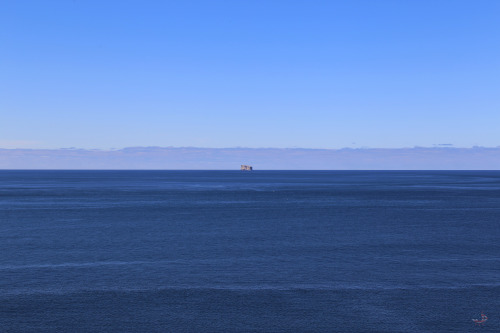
261, 73
190, 158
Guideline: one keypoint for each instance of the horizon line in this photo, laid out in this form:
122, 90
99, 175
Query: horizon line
440, 146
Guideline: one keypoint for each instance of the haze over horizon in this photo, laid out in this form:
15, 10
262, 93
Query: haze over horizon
219, 74
192, 158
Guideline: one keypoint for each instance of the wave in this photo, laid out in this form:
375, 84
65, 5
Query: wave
86, 264
247, 288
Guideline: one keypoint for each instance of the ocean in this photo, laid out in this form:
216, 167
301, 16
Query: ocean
260, 251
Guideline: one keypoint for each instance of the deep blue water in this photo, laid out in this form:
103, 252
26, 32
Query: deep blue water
262, 251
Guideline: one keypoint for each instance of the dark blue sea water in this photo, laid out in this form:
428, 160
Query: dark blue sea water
262, 251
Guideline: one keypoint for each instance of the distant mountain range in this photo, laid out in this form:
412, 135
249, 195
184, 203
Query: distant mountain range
419, 158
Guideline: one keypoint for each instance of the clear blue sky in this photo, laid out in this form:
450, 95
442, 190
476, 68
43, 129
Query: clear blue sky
260, 73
